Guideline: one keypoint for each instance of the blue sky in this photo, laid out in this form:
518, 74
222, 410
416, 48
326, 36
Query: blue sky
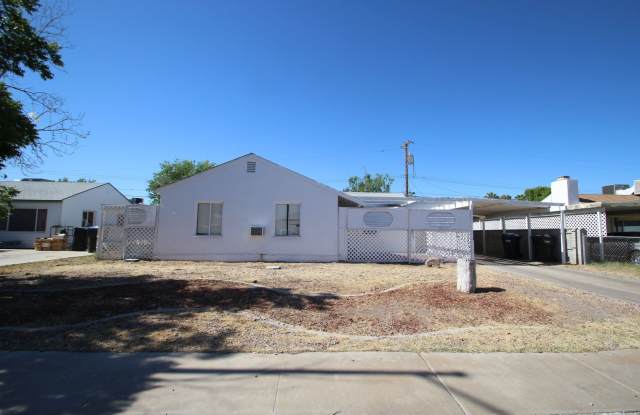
497, 95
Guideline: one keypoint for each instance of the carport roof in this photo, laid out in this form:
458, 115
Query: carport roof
488, 207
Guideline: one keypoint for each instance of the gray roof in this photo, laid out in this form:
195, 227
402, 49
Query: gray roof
49, 190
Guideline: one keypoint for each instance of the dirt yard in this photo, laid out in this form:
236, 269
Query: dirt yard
84, 304
614, 269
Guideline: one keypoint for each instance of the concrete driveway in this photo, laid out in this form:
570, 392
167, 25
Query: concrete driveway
23, 256
319, 383
600, 284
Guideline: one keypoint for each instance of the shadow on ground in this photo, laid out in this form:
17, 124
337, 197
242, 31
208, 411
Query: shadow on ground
101, 383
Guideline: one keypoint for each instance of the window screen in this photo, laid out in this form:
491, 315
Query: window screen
287, 220
28, 220
209, 219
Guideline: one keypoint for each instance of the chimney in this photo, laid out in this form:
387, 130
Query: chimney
564, 190
636, 187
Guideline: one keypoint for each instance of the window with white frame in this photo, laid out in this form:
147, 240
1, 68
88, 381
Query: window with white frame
88, 218
287, 219
209, 219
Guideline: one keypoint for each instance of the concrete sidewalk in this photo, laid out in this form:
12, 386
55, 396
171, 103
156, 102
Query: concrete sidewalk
24, 256
600, 284
318, 383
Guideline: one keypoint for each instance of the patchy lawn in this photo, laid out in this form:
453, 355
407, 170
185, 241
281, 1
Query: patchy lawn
83, 304
621, 269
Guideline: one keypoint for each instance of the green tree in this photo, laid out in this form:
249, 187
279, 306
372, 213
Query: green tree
79, 180
6, 194
535, 194
367, 183
493, 195
172, 171
30, 38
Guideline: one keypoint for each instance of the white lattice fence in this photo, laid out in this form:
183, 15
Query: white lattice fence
442, 244
545, 222
380, 246
127, 231
406, 235
587, 221
591, 221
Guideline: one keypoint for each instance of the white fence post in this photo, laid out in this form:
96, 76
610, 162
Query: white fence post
409, 235
484, 238
600, 236
473, 246
529, 238
563, 238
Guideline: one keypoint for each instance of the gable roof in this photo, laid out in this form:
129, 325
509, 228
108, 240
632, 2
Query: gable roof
308, 179
50, 191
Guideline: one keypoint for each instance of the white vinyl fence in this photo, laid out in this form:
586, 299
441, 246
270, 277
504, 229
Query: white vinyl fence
404, 235
127, 232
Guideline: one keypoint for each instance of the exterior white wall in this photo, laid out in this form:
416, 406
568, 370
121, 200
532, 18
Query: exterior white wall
248, 199
26, 239
92, 199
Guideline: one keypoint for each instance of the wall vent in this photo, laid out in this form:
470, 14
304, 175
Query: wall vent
251, 166
377, 219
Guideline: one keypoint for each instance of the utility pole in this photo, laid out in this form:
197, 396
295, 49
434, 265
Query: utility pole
408, 160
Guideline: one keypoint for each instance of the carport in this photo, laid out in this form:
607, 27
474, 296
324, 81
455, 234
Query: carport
536, 230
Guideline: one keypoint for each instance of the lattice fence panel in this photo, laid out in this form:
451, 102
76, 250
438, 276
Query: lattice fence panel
448, 245
616, 248
493, 225
111, 234
139, 242
515, 223
588, 221
545, 222
378, 246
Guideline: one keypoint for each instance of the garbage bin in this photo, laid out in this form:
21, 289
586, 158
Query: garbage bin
544, 246
511, 245
79, 239
92, 239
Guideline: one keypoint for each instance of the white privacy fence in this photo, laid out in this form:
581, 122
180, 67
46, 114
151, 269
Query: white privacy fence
127, 232
404, 235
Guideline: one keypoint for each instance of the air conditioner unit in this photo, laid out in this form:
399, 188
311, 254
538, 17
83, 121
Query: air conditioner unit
257, 231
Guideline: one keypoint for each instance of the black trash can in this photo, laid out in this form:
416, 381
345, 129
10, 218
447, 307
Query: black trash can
544, 247
79, 239
511, 245
92, 239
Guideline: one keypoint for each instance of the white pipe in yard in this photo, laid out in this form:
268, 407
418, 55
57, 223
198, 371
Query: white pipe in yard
600, 236
563, 240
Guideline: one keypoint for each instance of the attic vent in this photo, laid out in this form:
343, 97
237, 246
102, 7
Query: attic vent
251, 166
378, 219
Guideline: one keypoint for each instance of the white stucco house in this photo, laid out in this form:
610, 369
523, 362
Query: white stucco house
249, 209
45, 206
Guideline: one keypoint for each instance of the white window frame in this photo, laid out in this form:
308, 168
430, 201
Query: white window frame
275, 219
94, 217
209, 235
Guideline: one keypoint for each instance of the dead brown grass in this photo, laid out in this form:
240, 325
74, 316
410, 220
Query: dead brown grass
187, 306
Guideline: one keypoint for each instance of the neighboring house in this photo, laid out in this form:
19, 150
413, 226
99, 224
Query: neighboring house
621, 203
249, 209
43, 207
